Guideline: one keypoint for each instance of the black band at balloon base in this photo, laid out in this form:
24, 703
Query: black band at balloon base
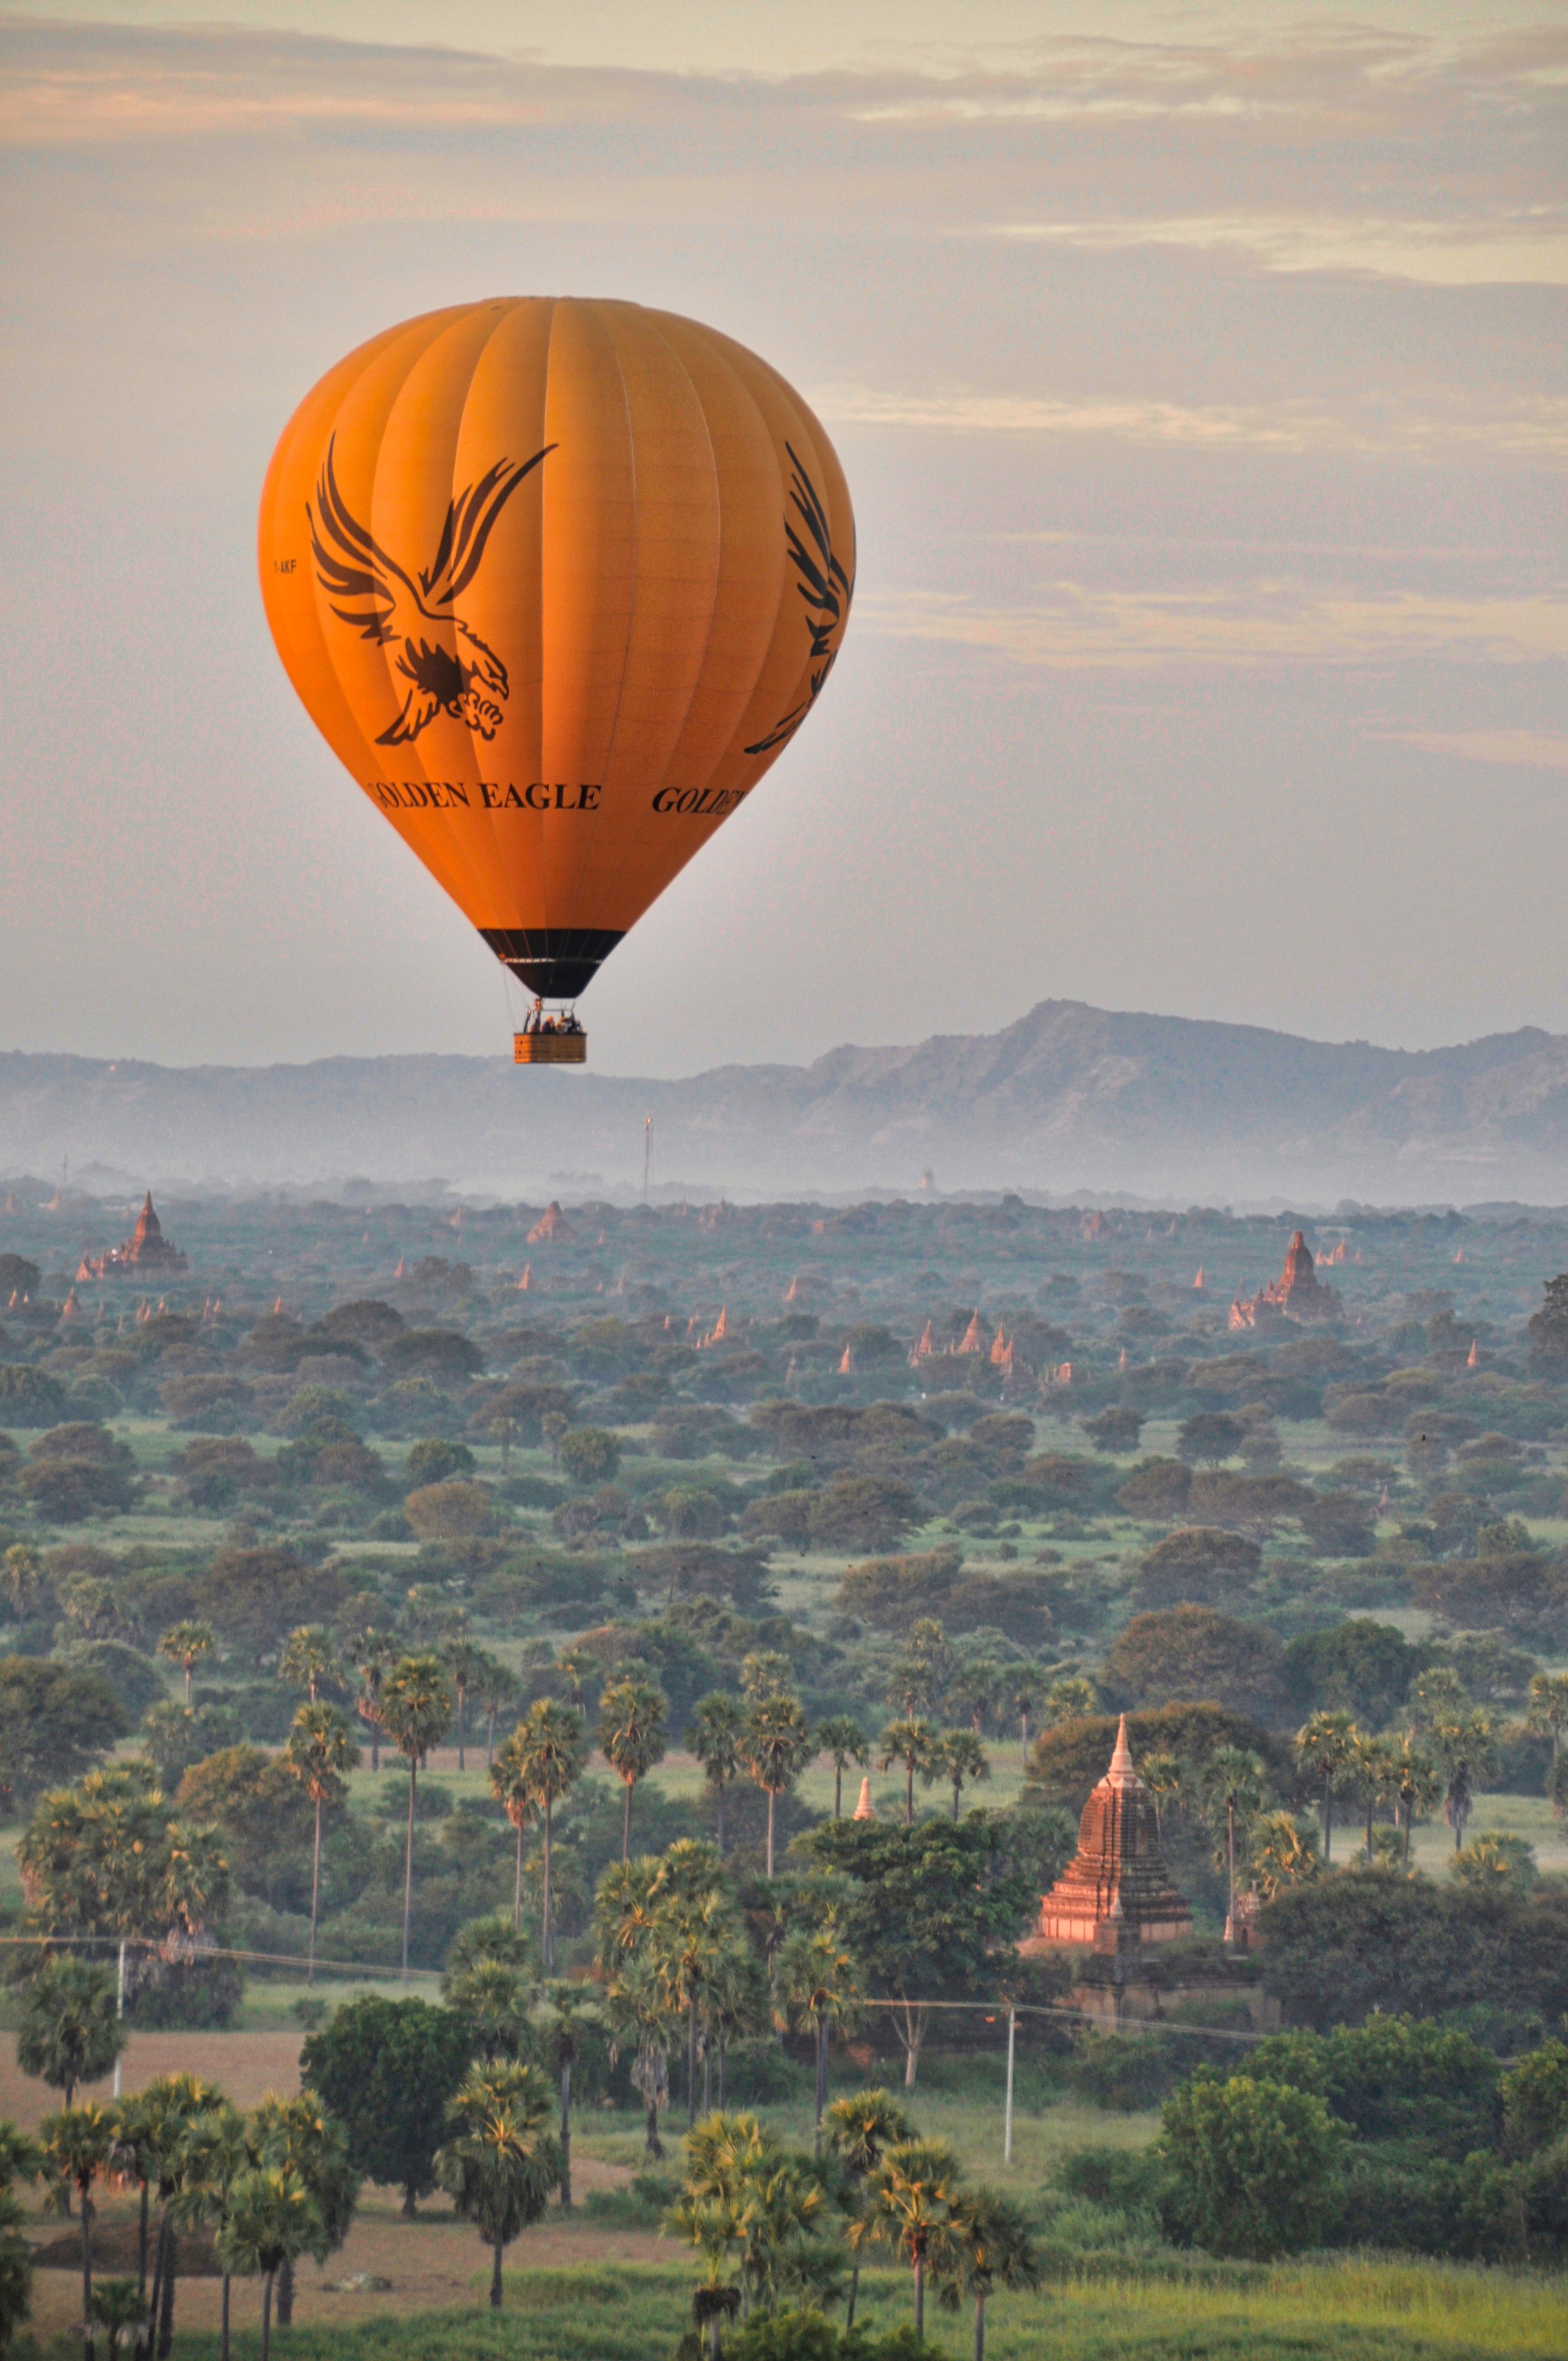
554, 963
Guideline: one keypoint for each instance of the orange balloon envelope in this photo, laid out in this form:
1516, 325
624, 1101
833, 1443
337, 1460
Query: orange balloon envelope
557, 581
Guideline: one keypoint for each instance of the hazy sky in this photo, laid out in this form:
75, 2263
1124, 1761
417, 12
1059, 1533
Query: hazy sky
1199, 377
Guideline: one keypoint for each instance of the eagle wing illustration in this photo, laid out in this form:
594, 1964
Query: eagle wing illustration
824, 585
373, 593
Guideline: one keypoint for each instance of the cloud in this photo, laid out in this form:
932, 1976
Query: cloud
1535, 750
1524, 425
1069, 626
1527, 248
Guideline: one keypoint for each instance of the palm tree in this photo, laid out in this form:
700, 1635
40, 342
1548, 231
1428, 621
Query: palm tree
715, 1739
776, 1746
71, 2029
1373, 1770
956, 1756
136, 2160
1166, 1779
571, 2010
1464, 1746
908, 1743
549, 1749
1546, 1713
1416, 1785
272, 2219
509, 1785
77, 2147
974, 1687
631, 1739
500, 2163
1326, 1744
910, 2199
1284, 1853
374, 1653
842, 1739
463, 1658
745, 2189
318, 1754
416, 1713
1023, 1686
495, 1687
217, 2152
689, 1934
170, 2105
119, 2306
1070, 1697
298, 2134
186, 1645
1233, 1779
861, 2127
309, 1658
820, 1982
644, 2012
988, 2244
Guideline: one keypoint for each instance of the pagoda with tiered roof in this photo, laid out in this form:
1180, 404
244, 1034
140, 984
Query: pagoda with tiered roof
1116, 1893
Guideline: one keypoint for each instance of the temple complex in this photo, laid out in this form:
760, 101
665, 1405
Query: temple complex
1297, 1294
1115, 1893
145, 1254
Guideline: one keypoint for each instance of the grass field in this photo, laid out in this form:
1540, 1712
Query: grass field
585, 2288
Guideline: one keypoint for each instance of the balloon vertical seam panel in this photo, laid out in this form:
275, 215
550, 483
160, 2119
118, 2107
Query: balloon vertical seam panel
575, 573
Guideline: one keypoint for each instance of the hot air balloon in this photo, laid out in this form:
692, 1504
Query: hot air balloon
558, 581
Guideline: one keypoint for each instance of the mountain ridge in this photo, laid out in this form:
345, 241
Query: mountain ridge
1067, 1095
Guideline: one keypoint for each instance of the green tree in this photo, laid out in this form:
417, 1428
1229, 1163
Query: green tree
318, 1754
550, 1750
842, 1739
463, 1657
494, 1689
385, 2070
1257, 2162
912, 2194
112, 1856
957, 1757
1326, 1744
631, 1739
76, 2149
489, 1983
56, 1720
498, 2163
988, 2244
715, 1739
1535, 2098
1374, 1769
416, 1714
818, 1980
590, 1455
167, 2110
19, 2160
310, 1659
188, 1644
272, 2219
1168, 1783
927, 1910
70, 2030
1496, 1864
746, 2194
775, 1747
908, 1744
120, 2308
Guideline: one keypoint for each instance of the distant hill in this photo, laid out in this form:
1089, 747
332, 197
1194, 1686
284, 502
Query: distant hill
1068, 1098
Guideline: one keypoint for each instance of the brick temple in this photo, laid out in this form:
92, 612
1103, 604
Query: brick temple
1116, 1893
145, 1254
1297, 1294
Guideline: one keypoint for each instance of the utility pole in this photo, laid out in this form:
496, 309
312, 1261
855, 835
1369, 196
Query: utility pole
647, 1153
1007, 2116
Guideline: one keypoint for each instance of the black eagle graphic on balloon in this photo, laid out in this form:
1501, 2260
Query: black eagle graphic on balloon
824, 585
370, 591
